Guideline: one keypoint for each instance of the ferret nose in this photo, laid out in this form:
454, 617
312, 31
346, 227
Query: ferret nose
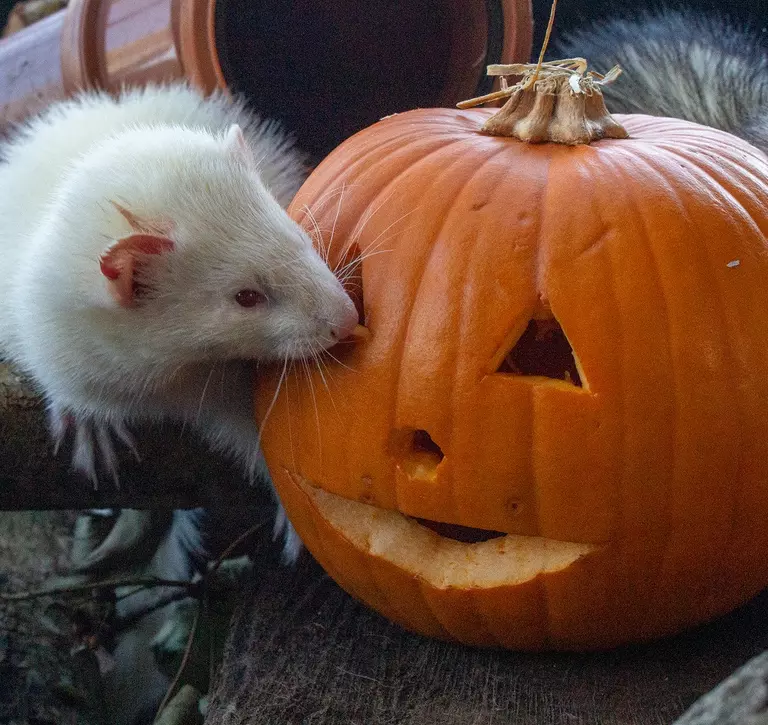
346, 323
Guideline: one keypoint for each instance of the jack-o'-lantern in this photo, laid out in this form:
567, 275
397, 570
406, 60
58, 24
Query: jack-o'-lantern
555, 434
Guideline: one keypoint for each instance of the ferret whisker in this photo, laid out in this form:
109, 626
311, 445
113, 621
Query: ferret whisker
322, 369
338, 362
318, 360
354, 271
348, 269
369, 213
367, 217
371, 250
289, 416
323, 248
336, 218
351, 284
327, 196
202, 394
272, 402
375, 252
373, 244
310, 383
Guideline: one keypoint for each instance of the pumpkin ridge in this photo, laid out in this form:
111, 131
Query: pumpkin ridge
729, 344
387, 160
407, 316
719, 186
727, 184
543, 251
455, 357
723, 185
435, 144
637, 206
665, 133
475, 249
539, 261
667, 561
424, 586
358, 168
383, 147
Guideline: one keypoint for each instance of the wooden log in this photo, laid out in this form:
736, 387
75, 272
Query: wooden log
176, 469
303, 651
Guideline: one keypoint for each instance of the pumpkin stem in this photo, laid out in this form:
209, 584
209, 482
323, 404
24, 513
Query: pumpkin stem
556, 101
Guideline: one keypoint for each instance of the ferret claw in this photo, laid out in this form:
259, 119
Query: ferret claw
93, 443
84, 455
107, 450
126, 438
59, 422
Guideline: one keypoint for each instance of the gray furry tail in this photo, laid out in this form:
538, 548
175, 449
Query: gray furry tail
683, 65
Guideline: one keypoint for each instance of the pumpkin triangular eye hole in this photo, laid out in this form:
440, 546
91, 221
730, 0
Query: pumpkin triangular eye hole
542, 350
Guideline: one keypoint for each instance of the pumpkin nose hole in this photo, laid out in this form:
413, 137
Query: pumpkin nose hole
543, 350
419, 455
422, 444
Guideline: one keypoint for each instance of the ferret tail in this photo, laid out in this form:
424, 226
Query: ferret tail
681, 64
137, 536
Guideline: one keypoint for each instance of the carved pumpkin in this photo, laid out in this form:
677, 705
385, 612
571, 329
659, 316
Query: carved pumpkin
556, 433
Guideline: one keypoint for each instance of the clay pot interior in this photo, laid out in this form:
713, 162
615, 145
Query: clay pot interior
328, 69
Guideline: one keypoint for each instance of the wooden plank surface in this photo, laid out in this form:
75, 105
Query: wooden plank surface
303, 652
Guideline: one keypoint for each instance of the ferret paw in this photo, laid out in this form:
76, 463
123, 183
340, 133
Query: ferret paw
292, 544
92, 443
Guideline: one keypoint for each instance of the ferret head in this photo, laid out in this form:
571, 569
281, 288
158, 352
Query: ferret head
206, 263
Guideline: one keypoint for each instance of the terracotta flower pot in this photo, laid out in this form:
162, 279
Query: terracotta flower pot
326, 68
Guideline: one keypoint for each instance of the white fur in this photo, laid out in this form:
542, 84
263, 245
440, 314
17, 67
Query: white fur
163, 153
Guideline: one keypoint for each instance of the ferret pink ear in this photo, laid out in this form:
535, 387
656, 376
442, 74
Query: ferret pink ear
144, 226
120, 263
237, 145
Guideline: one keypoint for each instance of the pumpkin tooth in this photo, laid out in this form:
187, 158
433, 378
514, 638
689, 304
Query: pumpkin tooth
360, 333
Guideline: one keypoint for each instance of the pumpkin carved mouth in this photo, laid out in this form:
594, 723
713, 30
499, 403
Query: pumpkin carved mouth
442, 561
465, 534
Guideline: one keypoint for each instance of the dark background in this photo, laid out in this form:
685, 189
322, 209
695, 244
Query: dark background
572, 13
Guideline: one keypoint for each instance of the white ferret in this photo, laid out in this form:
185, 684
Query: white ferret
147, 260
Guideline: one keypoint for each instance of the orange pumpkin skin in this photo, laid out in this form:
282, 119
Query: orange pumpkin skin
651, 253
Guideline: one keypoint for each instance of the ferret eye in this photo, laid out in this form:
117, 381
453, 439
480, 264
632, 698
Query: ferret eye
250, 298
